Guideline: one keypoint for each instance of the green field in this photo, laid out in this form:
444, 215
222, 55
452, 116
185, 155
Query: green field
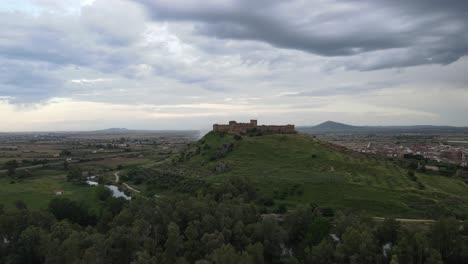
37, 191
294, 169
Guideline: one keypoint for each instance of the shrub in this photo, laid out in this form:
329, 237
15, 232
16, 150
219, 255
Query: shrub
63, 208
21, 205
267, 201
412, 175
102, 193
281, 209
327, 211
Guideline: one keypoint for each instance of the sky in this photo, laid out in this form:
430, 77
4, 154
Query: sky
186, 64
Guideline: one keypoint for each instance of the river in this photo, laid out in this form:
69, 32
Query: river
115, 190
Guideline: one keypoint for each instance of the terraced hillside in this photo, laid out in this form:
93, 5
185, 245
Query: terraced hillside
294, 169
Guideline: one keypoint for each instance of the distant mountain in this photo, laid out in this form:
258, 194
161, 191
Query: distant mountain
330, 127
113, 131
118, 131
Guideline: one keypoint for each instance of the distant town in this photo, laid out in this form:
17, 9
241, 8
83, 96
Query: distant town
441, 144
437, 152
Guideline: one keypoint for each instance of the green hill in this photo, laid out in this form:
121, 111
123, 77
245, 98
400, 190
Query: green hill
295, 169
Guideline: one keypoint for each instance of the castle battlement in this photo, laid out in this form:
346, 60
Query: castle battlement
234, 127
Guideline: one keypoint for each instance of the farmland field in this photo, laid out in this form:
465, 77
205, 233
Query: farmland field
37, 191
89, 154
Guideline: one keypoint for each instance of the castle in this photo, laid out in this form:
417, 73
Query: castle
234, 127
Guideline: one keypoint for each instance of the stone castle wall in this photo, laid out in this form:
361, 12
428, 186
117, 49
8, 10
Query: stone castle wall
234, 127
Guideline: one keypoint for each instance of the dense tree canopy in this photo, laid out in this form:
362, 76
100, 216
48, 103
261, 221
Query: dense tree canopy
221, 224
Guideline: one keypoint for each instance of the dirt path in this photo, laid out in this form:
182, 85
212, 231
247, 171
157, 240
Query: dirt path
117, 180
131, 188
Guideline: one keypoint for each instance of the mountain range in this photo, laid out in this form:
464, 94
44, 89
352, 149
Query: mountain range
335, 127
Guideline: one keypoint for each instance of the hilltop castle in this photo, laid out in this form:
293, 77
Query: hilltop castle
234, 127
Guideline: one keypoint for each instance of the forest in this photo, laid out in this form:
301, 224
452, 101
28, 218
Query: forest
224, 223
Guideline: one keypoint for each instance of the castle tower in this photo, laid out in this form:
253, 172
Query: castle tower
253, 122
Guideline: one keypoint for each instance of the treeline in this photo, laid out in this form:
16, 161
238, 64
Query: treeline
220, 224
417, 162
162, 180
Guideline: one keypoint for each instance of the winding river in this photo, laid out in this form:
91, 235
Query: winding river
115, 190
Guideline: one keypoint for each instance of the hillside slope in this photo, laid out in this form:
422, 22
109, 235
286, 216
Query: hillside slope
296, 169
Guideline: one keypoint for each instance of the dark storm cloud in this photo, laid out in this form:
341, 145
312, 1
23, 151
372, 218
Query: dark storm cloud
413, 32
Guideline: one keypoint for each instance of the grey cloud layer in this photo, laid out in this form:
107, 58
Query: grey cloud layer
39, 54
400, 33
312, 56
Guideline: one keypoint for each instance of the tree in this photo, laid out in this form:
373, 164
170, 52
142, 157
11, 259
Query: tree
11, 166
212, 241
192, 243
115, 205
173, 242
412, 175
323, 253
272, 236
318, 229
24, 174
74, 175
29, 245
358, 245
63, 208
65, 165
256, 252
433, 257
65, 153
20, 205
143, 257
387, 231
446, 239
297, 224
228, 255
102, 192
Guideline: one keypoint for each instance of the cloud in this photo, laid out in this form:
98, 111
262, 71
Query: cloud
342, 89
40, 53
387, 33
89, 81
154, 62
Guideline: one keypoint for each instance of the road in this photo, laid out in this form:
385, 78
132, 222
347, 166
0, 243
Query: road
39, 166
406, 220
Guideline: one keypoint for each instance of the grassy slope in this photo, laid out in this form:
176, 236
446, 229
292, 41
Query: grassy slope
37, 191
327, 175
